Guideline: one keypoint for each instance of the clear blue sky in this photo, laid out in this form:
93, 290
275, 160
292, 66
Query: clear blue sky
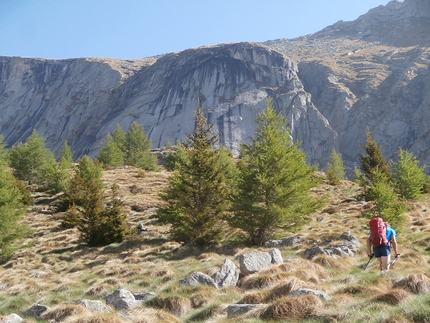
142, 28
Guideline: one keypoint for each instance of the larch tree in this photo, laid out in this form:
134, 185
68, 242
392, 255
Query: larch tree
335, 168
409, 177
11, 209
196, 199
373, 160
274, 190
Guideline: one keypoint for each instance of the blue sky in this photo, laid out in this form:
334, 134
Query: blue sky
142, 28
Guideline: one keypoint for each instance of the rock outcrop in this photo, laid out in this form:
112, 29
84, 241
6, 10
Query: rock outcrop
82, 100
371, 73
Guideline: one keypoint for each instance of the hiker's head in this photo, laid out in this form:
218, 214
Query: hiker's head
387, 225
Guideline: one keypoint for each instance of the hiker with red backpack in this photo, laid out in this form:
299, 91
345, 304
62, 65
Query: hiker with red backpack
380, 237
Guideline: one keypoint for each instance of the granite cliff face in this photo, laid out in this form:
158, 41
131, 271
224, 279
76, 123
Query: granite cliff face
82, 100
371, 73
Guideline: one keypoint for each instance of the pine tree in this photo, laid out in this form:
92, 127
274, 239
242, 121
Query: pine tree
274, 190
58, 173
11, 209
100, 220
138, 148
409, 177
31, 160
386, 201
66, 155
373, 161
335, 168
111, 153
197, 196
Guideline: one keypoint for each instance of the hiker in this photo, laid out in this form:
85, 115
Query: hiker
381, 245
391, 238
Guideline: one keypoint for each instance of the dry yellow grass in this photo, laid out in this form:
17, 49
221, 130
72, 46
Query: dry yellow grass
54, 269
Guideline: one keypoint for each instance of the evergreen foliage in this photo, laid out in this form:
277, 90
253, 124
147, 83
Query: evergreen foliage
409, 177
100, 219
131, 148
138, 148
274, 191
31, 160
66, 155
11, 209
58, 173
197, 196
335, 168
387, 203
110, 152
373, 161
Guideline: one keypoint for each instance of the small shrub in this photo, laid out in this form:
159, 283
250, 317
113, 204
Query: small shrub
64, 311
292, 308
393, 297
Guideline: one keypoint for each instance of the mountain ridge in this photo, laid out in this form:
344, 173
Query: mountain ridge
332, 85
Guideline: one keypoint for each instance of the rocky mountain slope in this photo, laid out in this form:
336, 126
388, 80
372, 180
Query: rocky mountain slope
371, 73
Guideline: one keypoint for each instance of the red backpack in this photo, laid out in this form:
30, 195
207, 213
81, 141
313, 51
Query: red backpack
378, 234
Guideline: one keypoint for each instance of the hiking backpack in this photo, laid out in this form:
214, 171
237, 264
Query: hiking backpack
378, 234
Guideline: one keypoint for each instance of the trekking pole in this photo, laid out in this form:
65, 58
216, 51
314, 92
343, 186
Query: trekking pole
394, 260
371, 257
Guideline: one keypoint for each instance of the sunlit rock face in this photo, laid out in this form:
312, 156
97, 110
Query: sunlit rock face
368, 74
82, 100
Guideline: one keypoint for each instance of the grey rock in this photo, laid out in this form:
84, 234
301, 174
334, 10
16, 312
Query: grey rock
276, 256
234, 310
198, 278
36, 310
228, 274
121, 299
306, 291
144, 297
94, 305
12, 318
285, 242
254, 261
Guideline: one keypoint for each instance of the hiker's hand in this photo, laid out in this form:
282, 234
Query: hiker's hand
370, 256
397, 255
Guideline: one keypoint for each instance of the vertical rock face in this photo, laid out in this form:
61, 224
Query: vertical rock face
333, 86
82, 100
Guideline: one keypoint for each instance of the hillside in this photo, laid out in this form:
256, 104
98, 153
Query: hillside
55, 271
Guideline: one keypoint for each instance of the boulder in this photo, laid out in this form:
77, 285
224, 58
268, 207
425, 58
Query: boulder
93, 305
228, 274
121, 299
36, 310
198, 278
254, 261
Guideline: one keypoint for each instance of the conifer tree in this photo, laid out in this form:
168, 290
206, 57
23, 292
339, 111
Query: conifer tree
66, 155
11, 209
31, 160
197, 196
138, 148
386, 201
409, 177
111, 153
58, 173
274, 190
335, 168
100, 219
373, 161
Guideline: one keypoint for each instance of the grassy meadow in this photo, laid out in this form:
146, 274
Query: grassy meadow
55, 270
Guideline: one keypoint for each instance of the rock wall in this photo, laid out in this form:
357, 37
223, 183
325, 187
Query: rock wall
82, 100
